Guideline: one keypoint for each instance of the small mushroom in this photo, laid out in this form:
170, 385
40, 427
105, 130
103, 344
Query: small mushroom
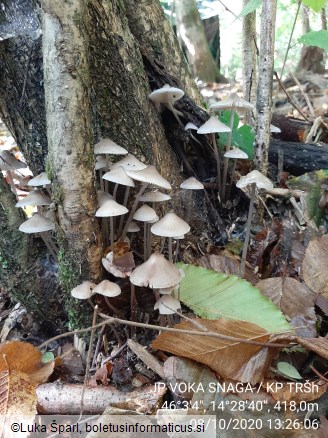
255, 179
234, 154
83, 291
166, 96
9, 163
145, 214
191, 184
110, 209
167, 305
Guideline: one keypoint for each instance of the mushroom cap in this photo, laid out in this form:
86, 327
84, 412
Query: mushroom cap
107, 289
144, 214
133, 227
156, 273
154, 196
170, 225
39, 180
9, 162
236, 153
103, 197
107, 146
168, 290
233, 101
167, 305
34, 198
191, 184
151, 176
36, 224
83, 291
274, 129
190, 125
119, 176
213, 125
130, 162
102, 163
166, 94
255, 177
111, 208
156, 219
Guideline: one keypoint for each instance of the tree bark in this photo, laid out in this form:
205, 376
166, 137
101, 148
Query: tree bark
192, 36
264, 88
249, 60
26, 270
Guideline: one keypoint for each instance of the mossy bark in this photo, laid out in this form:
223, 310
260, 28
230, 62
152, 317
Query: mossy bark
26, 270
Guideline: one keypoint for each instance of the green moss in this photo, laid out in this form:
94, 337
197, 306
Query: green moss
48, 169
57, 195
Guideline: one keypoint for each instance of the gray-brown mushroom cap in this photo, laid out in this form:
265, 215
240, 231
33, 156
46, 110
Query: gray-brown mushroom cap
170, 225
36, 224
156, 273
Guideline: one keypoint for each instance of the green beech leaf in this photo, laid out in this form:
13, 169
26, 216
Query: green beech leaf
316, 5
288, 370
242, 137
317, 38
48, 356
213, 295
250, 7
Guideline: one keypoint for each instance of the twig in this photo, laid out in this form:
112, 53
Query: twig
98, 345
289, 98
112, 320
318, 374
290, 38
306, 97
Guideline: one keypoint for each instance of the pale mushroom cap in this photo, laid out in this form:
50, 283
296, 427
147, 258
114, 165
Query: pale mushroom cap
166, 94
130, 162
133, 227
233, 101
156, 219
191, 184
34, 198
154, 196
236, 153
168, 290
107, 146
36, 224
119, 176
83, 291
9, 162
102, 163
213, 125
111, 208
255, 177
103, 197
274, 129
144, 214
167, 305
156, 273
190, 125
170, 225
149, 175
107, 288
39, 180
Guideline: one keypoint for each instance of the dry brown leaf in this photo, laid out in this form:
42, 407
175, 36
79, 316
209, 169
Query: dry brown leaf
322, 302
318, 345
315, 265
18, 398
288, 392
293, 298
25, 358
224, 357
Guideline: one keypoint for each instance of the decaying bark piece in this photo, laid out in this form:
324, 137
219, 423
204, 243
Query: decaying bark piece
264, 88
54, 398
146, 357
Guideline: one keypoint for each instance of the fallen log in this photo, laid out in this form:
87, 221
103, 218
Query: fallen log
299, 158
65, 399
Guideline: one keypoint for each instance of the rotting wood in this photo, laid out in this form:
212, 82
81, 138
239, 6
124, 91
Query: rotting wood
146, 357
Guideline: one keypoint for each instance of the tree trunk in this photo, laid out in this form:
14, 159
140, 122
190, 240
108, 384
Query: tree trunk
249, 60
192, 36
264, 88
101, 61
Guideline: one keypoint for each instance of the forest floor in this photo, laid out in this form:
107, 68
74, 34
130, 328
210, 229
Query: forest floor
287, 261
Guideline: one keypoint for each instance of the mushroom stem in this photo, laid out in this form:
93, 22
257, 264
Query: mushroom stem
145, 241
248, 231
217, 159
149, 242
11, 182
101, 181
125, 201
133, 309
170, 250
133, 210
50, 245
115, 191
177, 251
226, 160
111, 222
189, 203
175, 112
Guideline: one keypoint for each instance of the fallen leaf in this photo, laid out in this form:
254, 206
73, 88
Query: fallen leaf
318, 345
25, 358
18, 400
322, 302
288, 370
223, 356
286, 392
315, 265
